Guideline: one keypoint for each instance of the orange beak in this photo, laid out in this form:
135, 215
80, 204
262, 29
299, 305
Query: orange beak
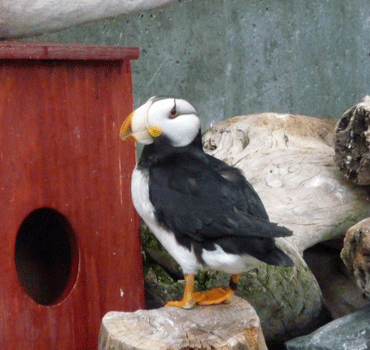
125, 133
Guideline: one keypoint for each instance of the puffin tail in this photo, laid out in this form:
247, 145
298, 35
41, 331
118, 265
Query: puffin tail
281, 231
279, 258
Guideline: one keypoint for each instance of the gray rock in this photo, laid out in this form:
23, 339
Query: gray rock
351, 332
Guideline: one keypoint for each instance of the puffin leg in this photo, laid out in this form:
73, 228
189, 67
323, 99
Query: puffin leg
188, 300
218, 295
234, 279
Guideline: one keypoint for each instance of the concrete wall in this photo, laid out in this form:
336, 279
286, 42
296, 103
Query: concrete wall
233, 57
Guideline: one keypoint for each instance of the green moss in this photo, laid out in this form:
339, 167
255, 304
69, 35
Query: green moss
162, 276
205, 279
149, 241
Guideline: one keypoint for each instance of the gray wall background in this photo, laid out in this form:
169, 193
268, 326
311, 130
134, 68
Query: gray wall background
235, 57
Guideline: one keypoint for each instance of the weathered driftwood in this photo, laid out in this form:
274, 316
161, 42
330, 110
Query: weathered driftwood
356, 254
352, 143
26, 17
289, 161
218, 327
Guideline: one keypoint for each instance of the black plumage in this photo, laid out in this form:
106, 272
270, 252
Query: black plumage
206, 202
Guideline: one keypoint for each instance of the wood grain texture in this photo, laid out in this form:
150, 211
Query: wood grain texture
218, 327
59, 149
289, 161
49, 51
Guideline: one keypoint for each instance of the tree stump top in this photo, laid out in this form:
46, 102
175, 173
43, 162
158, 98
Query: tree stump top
352, 143
219, 327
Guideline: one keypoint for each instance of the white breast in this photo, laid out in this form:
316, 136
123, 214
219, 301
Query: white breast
140, 197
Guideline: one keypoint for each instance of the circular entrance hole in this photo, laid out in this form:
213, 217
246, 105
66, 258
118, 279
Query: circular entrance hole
46, 256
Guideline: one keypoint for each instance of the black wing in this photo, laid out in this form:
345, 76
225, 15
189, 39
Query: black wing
203, 198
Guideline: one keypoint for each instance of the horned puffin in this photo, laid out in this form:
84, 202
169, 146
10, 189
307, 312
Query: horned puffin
203, 211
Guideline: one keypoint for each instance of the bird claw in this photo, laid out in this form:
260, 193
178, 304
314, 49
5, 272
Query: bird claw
185, 304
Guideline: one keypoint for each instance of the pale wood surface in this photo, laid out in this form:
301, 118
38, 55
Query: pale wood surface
25, 17
289, 161
218, 327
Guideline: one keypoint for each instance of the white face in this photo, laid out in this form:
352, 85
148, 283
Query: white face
177, 119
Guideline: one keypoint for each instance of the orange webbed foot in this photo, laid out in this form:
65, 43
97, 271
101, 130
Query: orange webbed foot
210, 297
214, 296
218, 295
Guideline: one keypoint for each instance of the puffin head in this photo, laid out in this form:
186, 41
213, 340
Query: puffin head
174, 118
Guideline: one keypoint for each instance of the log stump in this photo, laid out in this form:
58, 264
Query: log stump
219, 327
356, 255
352, 143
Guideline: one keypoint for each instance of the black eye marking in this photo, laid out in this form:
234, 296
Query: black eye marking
173, 112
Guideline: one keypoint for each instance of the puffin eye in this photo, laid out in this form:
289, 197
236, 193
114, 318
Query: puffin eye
173, 113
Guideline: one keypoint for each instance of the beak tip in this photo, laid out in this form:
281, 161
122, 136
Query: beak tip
125, 132
127, 137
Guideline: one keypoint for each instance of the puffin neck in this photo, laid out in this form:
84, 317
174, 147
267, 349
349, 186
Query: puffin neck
162, 148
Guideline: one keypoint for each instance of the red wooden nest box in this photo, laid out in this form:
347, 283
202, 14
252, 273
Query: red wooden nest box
69, 249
